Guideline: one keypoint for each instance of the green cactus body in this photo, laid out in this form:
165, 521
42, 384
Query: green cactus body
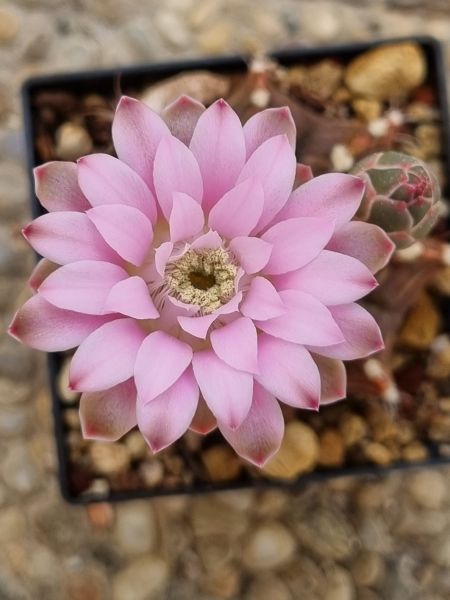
402, 196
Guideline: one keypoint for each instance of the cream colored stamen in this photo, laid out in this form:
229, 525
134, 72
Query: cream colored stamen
203, 277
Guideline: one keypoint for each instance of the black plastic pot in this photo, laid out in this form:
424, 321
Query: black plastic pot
137, 77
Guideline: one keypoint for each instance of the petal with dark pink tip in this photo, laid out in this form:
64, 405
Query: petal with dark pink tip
331, 277
110, 414
267, 124
219, 147
161, 360
175, 170
65, 237
40, 272
305, 319
164, 419
288, 372
273, 164
43, 326
204, 421
107, 180
107, 356
259, 436
56, 185
236, 344
227, 392
182, 116
125, 229
136, 132
333, 379
362, 334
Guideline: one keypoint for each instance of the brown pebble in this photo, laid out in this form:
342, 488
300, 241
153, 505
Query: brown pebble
366, 109
415, 452
109, 458
332, 448
100, 514
421, 325
378, 453
353, 428
368, 568
221, 463
298, 454
72, 141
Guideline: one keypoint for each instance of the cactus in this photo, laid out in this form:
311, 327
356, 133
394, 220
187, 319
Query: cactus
402, 196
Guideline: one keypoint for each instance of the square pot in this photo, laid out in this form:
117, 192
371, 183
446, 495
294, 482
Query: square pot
75, 486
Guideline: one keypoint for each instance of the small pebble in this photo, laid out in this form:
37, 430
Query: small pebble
221, 463
427, 487
339, 585
143, 579
9, 25
72, 141
268, 586
332, 449
136, 528
368, 568
109, 458
270, 546
378, 453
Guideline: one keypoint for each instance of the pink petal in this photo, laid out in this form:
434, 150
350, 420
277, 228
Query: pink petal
227, 392
107, 180
131, 297
238, 211
273, 164
334, 196
109, 414
364, 241
236, 344
288, 372
332, 278
137, 131
262, 301
125, 228
65, 237
41, 325
210, 240
204, 421
296, 242
176, 170
164, 419
162, 255
186, 219
259, 436
252, 253
56, 185
267, 124
333, 379
181, 117
107, 356
198, 326
219, 147
82, 286
362, 334
160, 362
40, 272
303, 173
305, 319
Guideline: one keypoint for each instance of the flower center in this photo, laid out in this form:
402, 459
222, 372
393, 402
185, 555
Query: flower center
203, 277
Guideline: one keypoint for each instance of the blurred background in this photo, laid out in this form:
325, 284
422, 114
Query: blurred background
381, 537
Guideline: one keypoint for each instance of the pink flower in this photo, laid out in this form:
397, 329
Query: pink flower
199, 287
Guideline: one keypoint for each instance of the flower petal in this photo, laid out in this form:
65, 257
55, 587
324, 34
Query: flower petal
227, 392
219, 147
65, 237
107, 180
43, 326
82, 286
259, 436
305, 319
186, 219
131, 297
296, 242
252, 253
210, 240
40, 272
331, 277
333, 196
288, 372
303, 173
109, 414
262, 300
107, 356
365, 242
175, 170
238, 211
56, 185
136, 132
162, 255
125, 228
160, 362
236, 344
198, 326
267, 124
273, 164
204, 421
333, 379
181, 117
164, 419
362, 334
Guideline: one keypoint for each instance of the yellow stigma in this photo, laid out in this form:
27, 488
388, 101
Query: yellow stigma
203, 277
